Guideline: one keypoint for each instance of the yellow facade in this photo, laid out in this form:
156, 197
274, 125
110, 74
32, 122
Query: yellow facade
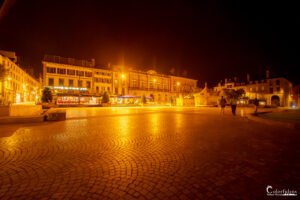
16, 86
117, 82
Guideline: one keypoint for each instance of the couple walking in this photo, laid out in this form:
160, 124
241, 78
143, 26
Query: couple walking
233, 104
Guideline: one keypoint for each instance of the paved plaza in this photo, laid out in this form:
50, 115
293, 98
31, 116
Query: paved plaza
147, 153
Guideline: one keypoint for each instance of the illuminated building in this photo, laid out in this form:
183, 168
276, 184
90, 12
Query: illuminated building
16, 85
272, 91
71, 79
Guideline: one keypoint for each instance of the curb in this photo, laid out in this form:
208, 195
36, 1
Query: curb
31, 119
255, 117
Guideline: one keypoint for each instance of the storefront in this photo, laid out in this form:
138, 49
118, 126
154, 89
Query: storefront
76, 100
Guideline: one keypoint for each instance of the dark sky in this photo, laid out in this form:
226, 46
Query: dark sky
212, 40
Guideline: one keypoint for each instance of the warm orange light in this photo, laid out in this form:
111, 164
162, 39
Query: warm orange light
154, 80
9, 78
123, 76
178, 83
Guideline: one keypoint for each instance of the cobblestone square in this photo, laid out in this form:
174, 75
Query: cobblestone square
147, 153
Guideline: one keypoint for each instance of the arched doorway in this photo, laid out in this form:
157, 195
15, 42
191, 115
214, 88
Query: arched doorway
275, 100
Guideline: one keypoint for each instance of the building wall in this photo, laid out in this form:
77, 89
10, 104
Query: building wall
264, 90
116, 82
16, 85
63, 78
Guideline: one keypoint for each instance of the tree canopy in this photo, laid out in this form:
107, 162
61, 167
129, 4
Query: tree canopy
47, 95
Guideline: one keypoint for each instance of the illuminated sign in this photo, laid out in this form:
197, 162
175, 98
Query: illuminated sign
68, 88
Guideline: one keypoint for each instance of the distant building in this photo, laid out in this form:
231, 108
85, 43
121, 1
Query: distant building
16, 86
272, 91
296, 95
71, 80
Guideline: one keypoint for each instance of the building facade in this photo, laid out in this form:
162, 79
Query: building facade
16, 85
272, 91
71, 80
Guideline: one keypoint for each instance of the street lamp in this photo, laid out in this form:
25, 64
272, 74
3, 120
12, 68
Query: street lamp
178, 84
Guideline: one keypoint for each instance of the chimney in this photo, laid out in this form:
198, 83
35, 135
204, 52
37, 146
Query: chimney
248, 77
267, 74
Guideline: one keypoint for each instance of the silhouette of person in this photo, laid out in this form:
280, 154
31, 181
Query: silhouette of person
222, 104
233, 103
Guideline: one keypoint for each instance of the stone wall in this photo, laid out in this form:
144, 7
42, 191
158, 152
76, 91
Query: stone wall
25, 110
4, 111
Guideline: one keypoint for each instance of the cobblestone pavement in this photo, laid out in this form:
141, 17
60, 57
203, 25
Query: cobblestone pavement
147, 153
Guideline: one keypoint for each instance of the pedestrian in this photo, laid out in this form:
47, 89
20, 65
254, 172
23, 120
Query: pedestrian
255, 102
233, 103
222, 104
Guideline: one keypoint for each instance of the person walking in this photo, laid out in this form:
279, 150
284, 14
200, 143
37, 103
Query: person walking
233, 103
222, 104
255, 105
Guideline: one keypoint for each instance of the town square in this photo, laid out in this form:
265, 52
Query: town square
162, 100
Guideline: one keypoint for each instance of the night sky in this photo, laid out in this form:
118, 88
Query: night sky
211, 40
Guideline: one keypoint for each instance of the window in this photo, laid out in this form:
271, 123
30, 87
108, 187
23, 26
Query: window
278, 89
71, 72
88, 74
151, 85
61, 82
277, 82
79, 83
271, 90
50, 81
71, 83
134, 84
88, 84
51, 70
97, 89
108, 89
79, 73
116, 90
61, 71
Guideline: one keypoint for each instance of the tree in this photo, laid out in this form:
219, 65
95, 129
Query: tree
233, 94
240, 93
105, 98
47, 95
